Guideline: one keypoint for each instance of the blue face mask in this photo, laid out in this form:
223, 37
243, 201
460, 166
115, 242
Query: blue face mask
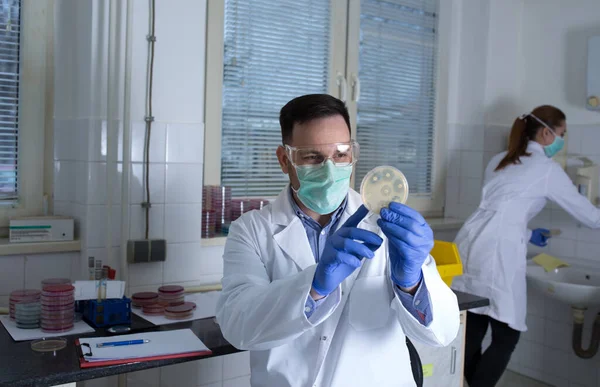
556, 145
323, 187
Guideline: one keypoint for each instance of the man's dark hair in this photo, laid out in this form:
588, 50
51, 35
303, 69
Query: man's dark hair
307, 108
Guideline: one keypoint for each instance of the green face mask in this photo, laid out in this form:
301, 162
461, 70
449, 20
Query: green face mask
323, 187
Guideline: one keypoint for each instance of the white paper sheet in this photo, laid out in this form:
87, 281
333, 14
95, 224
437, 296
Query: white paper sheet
88, 290
206, 306
19, 334
161, 344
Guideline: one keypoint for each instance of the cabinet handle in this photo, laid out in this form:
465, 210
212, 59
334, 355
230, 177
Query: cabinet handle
453, 362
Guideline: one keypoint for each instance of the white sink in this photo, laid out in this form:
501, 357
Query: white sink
575, 286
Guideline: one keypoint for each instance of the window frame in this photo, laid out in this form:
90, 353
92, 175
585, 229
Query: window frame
35, 154
346, 24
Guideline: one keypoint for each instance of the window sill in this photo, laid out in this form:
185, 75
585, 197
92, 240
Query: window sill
436, 224
7, 248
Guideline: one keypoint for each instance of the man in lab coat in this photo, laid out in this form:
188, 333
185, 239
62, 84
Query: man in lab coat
310, 285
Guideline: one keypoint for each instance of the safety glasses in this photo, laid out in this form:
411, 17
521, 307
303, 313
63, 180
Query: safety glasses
341, 154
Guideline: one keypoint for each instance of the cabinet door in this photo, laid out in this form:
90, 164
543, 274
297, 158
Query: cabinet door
443, 366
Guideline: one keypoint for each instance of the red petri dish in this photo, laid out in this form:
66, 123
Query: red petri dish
183, 308
55, 281
62, 288
144, 296
57, 330
171, 289
58, 302
59, 314
178, 316
25, 293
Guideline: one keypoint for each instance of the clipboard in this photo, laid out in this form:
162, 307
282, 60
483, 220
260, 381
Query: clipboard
85, 350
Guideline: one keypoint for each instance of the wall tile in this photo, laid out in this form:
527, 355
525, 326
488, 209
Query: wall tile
472, 137
81, 132
454, 157
535, 329
533, 357
141, 274
183, 222
193, 373
13, 273
583, 371
587, 250
64, 140
575, 139
470, 190
157, 142
243, 381
64, 181
236, 365
185, 143
562, 248
454, 136
41, 266
471, 164
137, 183
556, 362
81, 182
137, 222
558, 312
565, 222
97, 149
558, 335
452, 192
590, 140
187, 261
145, 378
184, 183
97, 183
96, 221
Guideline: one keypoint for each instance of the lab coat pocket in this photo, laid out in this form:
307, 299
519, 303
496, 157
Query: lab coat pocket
369, 303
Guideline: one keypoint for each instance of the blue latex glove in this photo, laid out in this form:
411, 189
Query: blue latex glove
410, 241
343, 253
538, 238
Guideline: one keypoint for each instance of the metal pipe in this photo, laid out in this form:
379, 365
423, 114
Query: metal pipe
578, 321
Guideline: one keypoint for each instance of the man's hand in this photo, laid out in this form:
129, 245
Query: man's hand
410, 241
343, 253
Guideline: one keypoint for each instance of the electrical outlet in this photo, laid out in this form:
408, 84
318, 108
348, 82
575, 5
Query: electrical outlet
146, 250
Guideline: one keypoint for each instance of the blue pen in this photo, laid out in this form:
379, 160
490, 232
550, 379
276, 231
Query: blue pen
120, 343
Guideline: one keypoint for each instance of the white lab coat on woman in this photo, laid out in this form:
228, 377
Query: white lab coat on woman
493, 241
355, 338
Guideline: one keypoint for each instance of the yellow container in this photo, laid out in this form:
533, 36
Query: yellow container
447, 260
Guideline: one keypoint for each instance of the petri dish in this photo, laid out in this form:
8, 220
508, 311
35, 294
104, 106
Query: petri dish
49, 344
382, 185
183, 308
171, 289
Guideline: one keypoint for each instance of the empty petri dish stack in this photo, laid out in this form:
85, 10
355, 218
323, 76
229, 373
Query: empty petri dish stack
383, 185
58, 308
209, 224
25, 295
170, 295
180, 312
140, 299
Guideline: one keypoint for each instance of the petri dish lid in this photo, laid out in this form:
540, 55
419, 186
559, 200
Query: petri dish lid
55, 281
144, 295
49, 344
171, 289
25, 293
183, 308
382, 185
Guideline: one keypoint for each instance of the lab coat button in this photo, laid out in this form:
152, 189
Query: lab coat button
322, 232
418, 302
324, 338
307, 309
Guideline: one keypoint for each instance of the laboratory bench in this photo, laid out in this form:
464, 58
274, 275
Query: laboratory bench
21, 366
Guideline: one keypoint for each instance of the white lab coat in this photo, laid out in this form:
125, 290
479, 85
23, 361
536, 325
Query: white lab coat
493, 241
355, 338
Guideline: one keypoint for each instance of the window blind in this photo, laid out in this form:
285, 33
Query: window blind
9, 97
397, 71
274, 51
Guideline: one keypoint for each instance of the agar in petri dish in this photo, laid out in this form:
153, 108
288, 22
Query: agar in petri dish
382, 185
49, 345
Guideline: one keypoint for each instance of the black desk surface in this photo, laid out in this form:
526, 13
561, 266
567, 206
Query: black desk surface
20, 366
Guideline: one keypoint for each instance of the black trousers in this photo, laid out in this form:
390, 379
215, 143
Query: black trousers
485, 369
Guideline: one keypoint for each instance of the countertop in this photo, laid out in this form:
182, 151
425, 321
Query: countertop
20, 366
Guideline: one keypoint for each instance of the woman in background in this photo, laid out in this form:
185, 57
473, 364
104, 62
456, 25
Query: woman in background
493, 241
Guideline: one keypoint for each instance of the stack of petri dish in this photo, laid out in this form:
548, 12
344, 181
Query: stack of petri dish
153, 309
209, 224
56, 281
171, 295
141, 299
58, 308
258, 204
180, 312
239, 207
22, 296
222, 205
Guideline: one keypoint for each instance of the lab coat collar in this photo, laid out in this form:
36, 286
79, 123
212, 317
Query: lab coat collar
534, 146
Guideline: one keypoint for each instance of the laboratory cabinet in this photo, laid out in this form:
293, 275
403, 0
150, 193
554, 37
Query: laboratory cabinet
444, 366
